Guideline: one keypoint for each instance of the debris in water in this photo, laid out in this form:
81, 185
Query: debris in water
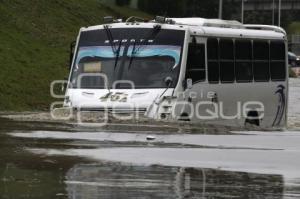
149, 137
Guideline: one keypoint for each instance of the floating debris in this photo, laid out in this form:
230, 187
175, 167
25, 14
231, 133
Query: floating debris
150, 137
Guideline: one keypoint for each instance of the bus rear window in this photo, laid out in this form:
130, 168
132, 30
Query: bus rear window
277, 50
278, 63
278, 71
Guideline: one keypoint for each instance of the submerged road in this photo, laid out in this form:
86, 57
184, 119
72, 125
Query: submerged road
48, 160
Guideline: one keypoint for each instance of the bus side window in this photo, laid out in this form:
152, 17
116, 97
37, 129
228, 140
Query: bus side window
213, 60
227, 61
278, 66
243, 64
196, 63
261, 61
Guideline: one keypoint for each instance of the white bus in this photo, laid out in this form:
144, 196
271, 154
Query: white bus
192, 69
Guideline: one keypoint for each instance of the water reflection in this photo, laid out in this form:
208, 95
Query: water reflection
94, 181
35, 176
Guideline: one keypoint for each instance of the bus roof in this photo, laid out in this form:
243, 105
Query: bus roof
229, 28
208, 28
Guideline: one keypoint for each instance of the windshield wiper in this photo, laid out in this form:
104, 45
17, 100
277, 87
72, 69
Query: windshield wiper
152, 35
117, 55
110, 38
115, 50
132, 54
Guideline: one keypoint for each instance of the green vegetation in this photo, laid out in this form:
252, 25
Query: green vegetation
35, 37
191, 8
294, 28
292, 74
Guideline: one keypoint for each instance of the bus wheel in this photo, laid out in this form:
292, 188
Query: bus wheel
184, 117
252, 118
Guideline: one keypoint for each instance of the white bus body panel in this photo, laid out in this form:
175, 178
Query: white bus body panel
120, 99
236, 97
273, 95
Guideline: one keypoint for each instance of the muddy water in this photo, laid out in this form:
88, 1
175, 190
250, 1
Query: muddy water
23, 175
48, 160
40, 160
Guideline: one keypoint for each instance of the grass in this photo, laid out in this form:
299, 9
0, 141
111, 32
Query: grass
292, 74
35, 37
294, 28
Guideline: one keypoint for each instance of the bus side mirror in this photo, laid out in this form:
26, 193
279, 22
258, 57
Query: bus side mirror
168, 81
72, 50
189, 83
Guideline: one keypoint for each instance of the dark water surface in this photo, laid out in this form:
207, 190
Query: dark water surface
40, 176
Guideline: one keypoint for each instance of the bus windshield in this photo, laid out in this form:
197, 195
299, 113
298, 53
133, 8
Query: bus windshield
139, 56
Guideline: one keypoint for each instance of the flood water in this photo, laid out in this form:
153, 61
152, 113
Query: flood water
53, 160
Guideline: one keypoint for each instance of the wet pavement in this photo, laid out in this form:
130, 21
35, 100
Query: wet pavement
40, 160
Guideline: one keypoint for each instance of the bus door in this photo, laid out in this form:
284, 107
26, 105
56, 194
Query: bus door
200, 100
